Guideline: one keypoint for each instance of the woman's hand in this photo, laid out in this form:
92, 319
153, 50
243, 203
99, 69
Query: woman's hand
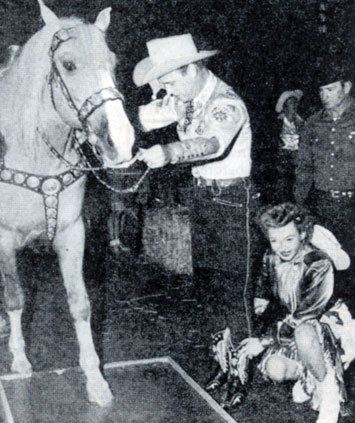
260, 305
250, 347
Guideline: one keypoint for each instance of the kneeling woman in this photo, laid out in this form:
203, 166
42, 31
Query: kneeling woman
309, 335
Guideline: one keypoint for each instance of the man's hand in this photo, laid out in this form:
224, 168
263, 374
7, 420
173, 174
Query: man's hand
154, 157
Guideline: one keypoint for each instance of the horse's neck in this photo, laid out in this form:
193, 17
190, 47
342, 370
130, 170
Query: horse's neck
34, 155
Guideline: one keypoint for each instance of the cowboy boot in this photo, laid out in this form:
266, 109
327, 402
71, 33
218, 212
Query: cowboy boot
329, 399
299, 395
235, 394
218, 379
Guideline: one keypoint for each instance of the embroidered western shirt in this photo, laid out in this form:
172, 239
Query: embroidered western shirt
216, 112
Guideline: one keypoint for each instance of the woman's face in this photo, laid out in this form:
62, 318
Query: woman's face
285, 241
290, 105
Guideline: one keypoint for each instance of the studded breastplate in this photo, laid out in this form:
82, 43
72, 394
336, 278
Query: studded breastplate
48, 186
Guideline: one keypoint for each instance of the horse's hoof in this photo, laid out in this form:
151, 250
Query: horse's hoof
99, 393
22, 366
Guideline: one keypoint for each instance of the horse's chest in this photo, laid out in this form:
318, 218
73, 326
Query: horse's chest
41, 211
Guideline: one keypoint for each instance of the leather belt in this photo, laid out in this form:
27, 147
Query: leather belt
219, 183
336, 194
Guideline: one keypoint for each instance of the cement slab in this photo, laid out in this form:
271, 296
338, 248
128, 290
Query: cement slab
145, 391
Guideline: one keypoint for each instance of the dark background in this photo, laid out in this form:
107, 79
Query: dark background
266, 47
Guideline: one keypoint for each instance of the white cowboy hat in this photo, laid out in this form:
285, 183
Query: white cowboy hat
285, 96
166, 55
323, 239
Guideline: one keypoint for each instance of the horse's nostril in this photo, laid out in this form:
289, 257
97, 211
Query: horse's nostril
98, 151
109, 141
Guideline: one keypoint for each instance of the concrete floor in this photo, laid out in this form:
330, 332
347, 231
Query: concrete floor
138, 312
143, 393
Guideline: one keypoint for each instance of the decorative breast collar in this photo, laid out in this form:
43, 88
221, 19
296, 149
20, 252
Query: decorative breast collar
48, 186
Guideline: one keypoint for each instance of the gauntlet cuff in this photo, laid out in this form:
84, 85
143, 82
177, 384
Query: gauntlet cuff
190, 150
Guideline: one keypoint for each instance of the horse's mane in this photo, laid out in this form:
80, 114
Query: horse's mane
22, 85
12, 52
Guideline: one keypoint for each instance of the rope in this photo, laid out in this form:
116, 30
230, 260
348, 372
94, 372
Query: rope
247, 187
132, 189
89, 168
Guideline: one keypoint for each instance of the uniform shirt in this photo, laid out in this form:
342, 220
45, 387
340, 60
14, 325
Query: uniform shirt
326, 154
218, 112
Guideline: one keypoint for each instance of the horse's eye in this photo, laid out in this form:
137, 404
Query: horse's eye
69, 66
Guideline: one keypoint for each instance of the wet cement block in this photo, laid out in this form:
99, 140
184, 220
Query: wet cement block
143, 393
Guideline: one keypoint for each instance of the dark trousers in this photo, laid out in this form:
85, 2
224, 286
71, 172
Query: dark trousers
286, 176
226, 245
338, 215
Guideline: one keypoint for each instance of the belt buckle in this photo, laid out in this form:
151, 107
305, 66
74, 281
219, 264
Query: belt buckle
335, 194
224, 183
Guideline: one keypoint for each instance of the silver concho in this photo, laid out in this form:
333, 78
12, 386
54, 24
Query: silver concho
51, 223
32, 181
51, 186
5, 175
51, 212
68, 178
51, 201
19, 178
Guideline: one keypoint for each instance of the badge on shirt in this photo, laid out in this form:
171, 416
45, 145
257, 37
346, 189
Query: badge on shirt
223, 113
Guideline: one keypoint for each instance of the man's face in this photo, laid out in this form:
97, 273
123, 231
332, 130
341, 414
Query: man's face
334, 94
285, 241
179, 84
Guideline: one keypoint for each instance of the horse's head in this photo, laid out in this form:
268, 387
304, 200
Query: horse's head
82, 85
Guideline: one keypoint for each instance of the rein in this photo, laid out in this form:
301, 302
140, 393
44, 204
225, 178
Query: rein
89, 106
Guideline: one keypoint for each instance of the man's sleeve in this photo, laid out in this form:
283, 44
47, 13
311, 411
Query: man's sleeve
222, 121
304, 167
155, 115
224, 118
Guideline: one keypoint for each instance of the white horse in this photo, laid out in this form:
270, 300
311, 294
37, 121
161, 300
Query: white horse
59, 83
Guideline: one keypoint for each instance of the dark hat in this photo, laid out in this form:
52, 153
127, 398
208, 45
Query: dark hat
331, 70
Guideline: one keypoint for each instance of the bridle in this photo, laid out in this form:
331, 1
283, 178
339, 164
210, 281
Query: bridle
94, 102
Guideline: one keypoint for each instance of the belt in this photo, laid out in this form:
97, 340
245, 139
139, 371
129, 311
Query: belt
219, 183
341, 194
338, 194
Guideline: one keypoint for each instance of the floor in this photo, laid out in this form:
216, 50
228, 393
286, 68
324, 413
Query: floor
143, 392
138, 311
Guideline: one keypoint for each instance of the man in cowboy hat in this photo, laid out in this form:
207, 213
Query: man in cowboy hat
325, 173
214, 135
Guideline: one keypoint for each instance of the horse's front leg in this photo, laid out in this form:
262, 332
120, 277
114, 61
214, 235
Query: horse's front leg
14, 302
69, 245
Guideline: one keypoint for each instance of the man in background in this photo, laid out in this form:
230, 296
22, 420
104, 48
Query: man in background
325, 174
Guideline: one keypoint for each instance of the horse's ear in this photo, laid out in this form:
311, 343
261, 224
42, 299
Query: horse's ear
47, 15
103, 19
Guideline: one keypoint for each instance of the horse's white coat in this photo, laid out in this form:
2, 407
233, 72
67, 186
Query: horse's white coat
27, 115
